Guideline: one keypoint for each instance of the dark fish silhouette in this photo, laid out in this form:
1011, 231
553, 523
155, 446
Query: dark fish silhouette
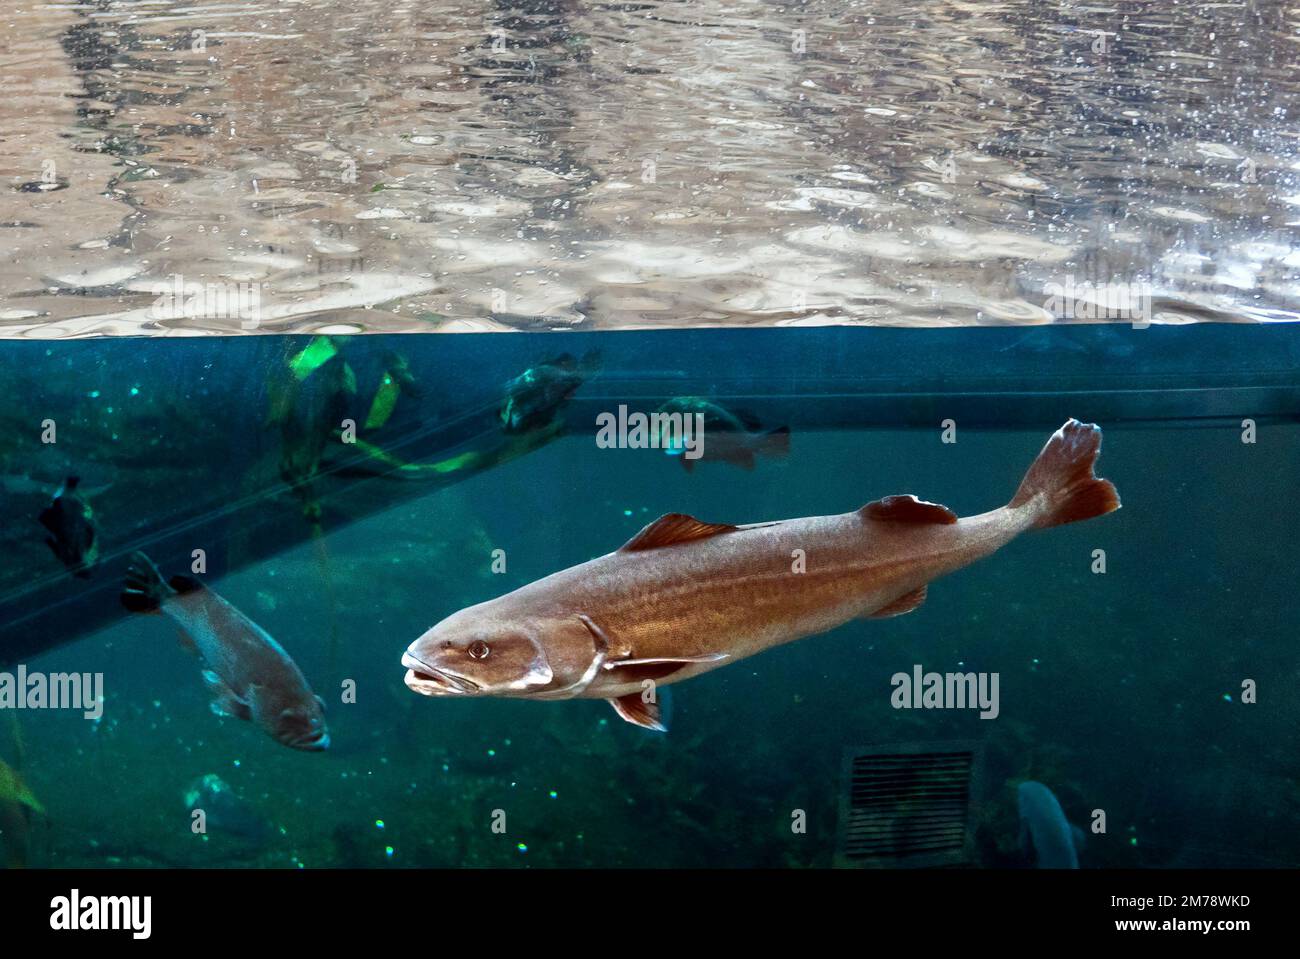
534, 396
74, 538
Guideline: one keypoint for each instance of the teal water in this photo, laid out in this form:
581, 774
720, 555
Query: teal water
1121, 691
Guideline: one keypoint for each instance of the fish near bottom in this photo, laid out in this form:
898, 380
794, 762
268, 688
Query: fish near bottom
684, 597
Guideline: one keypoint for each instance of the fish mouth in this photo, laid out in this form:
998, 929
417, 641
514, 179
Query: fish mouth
430, 681
316, 743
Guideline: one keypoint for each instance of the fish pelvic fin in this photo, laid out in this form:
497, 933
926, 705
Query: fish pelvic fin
1060, 486
904, 604
634, 709
225, 701
144, 589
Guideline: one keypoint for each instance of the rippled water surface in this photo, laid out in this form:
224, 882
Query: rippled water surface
479, 166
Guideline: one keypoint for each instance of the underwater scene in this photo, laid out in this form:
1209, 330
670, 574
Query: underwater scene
1132, 663
856, 435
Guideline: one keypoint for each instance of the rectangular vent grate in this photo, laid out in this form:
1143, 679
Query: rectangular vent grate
907, 805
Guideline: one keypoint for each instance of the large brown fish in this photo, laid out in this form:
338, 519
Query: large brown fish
248, 673
684, 597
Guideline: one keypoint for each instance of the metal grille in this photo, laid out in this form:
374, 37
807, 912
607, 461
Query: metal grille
907, 805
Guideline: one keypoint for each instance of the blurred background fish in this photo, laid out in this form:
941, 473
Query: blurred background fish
533, 398
226, 814
1045, 834
729, 436
73, 536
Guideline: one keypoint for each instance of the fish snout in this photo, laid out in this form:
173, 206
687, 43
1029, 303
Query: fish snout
429, 680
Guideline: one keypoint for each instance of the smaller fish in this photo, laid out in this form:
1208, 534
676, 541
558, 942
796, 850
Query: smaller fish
534, 396
225, 812
729, 437
248, 673
74, 537
1045, 833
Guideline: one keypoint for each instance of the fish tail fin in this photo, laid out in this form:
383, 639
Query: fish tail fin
775, 443
1060, 486
144, 589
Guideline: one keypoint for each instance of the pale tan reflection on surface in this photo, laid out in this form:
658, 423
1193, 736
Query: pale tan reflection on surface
469, 166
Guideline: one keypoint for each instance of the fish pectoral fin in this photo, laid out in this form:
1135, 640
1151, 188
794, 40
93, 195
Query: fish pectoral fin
655, 668
904, 604
673, 528
225, 702
637, 711
908, 509
680, 660
640, 672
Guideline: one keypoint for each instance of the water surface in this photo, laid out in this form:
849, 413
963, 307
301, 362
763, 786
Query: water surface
463, 165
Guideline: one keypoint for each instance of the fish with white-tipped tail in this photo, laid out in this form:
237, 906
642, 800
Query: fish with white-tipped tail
683, 597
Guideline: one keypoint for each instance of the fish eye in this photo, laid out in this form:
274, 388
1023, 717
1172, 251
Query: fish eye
479, 649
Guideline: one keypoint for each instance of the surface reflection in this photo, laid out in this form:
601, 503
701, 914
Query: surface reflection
465, 165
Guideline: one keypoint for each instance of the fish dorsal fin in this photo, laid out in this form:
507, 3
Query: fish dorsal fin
673, 528
908, 509
904, 604
637, 711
